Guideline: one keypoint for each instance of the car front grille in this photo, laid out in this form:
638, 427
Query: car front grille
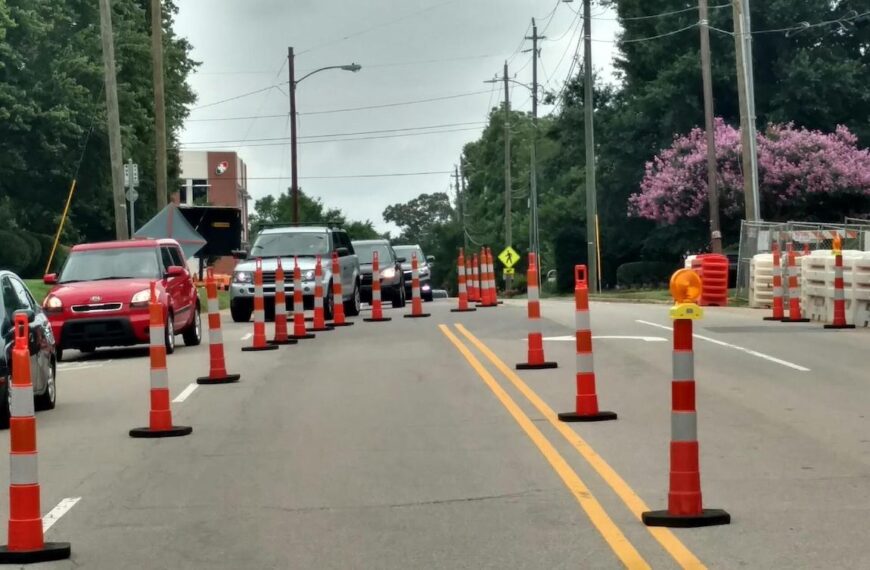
96, 332
96, 308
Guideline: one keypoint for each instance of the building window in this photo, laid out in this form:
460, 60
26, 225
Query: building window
182, 195
200, 192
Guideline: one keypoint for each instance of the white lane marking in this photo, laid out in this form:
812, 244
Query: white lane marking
81, 365
185, 393
246, 337
77, 368
569, 338
767, 357
61, 509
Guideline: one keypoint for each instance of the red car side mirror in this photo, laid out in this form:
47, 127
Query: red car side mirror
50, 279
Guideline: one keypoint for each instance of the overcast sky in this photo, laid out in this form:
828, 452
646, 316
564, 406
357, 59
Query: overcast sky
409, 50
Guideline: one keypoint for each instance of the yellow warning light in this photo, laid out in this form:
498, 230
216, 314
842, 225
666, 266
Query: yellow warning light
685, 286
838, 244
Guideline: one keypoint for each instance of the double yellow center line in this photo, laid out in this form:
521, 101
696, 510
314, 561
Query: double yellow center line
621, 546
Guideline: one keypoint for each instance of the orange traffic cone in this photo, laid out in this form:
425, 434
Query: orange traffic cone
281, 335
217, 373
416, 299
259, 341
535, 359
463, 291
338, 318
299, 332
377, 309
160, 419
794, 291
319, 318
26, 539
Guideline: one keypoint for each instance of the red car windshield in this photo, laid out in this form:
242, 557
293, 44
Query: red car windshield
99, 264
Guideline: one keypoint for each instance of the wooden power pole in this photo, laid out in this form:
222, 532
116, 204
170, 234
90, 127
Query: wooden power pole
159, 104
709, 123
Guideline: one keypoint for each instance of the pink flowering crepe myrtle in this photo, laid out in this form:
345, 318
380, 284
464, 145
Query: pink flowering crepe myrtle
793, 165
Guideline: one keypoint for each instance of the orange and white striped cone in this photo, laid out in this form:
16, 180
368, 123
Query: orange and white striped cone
463, 291
778, 312
160, 418
586, 401
281, 334
299, 332
259, 340
416, 299
839, 286
685, 508
319, 324
535, 359
794, 292
26, 539
338, 317
377, 309
474, 291
487, 280
217, 370
484, 282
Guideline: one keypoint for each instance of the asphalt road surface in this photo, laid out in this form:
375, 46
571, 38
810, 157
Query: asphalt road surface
415, 444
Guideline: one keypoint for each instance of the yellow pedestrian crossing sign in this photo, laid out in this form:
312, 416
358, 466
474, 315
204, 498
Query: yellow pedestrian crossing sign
509, 257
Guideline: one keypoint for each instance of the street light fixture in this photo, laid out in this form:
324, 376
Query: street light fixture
294, 176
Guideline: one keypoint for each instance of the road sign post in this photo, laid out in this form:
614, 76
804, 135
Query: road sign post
131, 182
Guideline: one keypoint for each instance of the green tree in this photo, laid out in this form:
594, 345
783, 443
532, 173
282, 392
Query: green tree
272, 210
418, 218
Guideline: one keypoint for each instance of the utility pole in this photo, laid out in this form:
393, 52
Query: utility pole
508, 232
464, 204
114, 121
591, 202
460, 201
534, 236
159, 103
747, 109
707, 75
294, 173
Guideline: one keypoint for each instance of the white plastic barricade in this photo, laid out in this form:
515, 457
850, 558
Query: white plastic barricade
761, 281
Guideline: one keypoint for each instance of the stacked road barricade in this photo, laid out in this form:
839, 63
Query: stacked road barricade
685, 508
416, 299
586, 401
338, 317
319, 324
160, 417
462, 306
299, 332
259, 340
281, 335
535, 358
377, 308
26, 538
217, 373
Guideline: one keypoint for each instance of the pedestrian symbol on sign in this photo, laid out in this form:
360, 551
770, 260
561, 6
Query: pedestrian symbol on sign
509, 257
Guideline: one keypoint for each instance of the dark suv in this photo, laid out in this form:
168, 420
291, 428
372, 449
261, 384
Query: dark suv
390, 266
424, 267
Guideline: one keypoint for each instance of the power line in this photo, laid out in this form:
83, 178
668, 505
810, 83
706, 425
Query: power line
802, 25
650, 38
661, 15
398, 104
214, 119
428, 61
248, 94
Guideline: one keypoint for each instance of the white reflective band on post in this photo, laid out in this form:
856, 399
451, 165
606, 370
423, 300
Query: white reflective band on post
462, 286
259, 316
585, 363
213, 307
23, 469
777, 291
794, 292
533, 294
839, 295
534, 326
684, 426
215, 336
318, 302
279, 287
838, 271
376, 294
258, 290
157, 335
581, 320
280, 308
159, 379
22, 401
684, 365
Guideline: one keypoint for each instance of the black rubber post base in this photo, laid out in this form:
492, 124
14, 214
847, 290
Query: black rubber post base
468, 310
148, 433
302, 336
259, 348
50, 551
541, 366
709, 517
486, 306
228, 379
789, 320
381, 320
282, 342
324, 329
839, 326
571, 417
344, 324
772, 319
420, 316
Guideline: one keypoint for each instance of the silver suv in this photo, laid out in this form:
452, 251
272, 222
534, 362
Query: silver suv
304, 243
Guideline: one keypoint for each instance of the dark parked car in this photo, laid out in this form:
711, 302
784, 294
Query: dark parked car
390, 265
16, 298
424, 267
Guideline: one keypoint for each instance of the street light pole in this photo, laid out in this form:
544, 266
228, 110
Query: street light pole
591, 202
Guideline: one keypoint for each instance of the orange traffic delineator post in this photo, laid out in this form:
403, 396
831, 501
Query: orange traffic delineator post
794, 292
319, 324
259, 340
469, 280
487, 281
281, 334
685, 508
377, 309
778, 312
461, 267
586, 403
26, 539
535, 359
416, 299
217, 373
299, 332
839, 293
338, 317
160, 418
474, 291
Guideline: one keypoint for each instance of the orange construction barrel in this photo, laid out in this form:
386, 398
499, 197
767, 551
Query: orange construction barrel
713, 269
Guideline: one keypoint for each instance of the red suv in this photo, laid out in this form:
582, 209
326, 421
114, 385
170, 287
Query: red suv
100, 298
